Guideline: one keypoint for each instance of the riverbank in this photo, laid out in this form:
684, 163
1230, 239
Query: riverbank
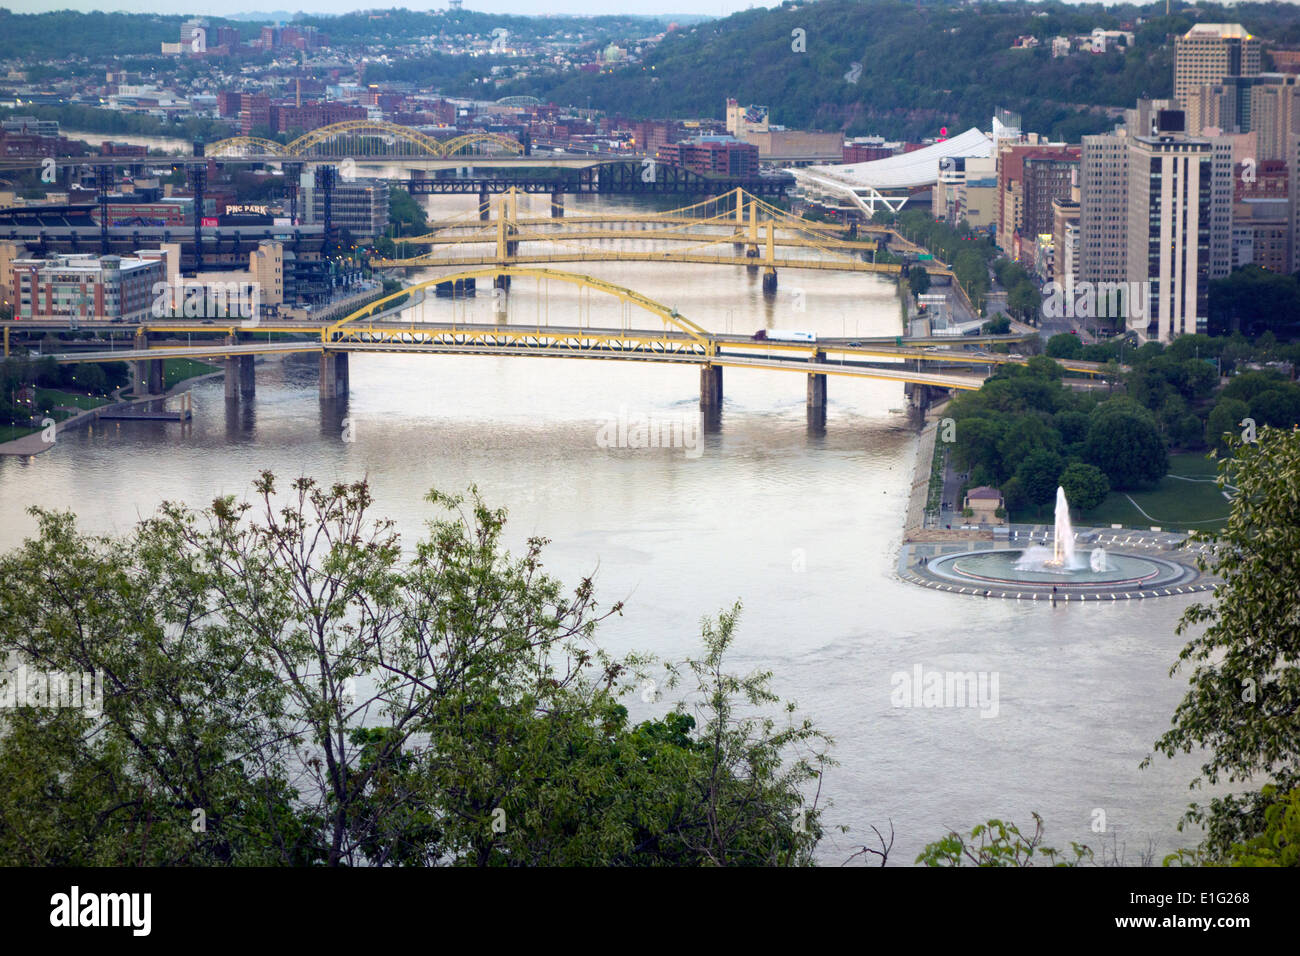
35, 443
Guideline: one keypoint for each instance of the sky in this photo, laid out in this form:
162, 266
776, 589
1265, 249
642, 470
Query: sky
225, 7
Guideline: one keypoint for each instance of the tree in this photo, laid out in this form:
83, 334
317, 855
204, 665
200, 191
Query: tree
1024, 300
1124, 443
1244, 686
342, 698
1086, 486
918, 280
1000, 324
1279, 407
1226, 417
1064, 345
1039, 473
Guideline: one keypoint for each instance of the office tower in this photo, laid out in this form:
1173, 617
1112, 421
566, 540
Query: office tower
359, 205
1012, 184
1179, 229
1046, 178
1209, 52
1103, 208
1274, 113
1293, 193
1066, 239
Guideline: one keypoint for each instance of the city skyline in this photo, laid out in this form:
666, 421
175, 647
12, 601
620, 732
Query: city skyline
225, 8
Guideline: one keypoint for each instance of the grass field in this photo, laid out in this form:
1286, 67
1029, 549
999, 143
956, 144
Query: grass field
1187, 499
178, 370
49, 397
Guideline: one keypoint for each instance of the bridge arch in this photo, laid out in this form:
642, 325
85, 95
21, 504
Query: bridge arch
456, 145
244, 146
668, 314
319, 142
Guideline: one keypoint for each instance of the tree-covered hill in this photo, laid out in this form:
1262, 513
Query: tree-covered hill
922, 66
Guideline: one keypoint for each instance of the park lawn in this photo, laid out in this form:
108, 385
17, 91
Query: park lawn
49, 397
10, 432
1175, 504
179, 369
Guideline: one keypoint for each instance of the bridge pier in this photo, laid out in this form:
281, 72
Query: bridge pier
484, 206
752, 253
147, 378
769, 281
921, 397
329, 375
817, 395
147, 374
711, 386
501, 282
231, 365
247, 378
557, 204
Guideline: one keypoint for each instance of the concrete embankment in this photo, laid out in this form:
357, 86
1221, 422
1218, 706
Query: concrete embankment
35, 443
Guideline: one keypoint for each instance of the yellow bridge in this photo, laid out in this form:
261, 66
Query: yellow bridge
747, 223
679, 340
366, 138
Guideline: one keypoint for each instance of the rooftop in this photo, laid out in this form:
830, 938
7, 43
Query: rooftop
1223, 31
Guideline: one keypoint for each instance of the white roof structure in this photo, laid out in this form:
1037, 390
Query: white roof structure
863, 183
907, 170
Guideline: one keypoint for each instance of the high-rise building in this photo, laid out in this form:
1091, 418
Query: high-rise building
1293, 194
1103, 208
1274, 113
1261, 234
1179, 230
359, 205
1066, 241
1209, 52
1011, 189
1046, 178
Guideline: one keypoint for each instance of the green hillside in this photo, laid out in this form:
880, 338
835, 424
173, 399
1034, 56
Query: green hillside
922, 66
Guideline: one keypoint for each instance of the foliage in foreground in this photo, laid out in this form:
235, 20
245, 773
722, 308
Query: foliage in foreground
1000, 843
286, 684
1243, 705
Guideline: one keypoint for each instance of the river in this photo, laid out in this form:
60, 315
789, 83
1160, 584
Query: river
803, 527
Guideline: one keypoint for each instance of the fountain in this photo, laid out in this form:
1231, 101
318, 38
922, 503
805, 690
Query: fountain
1039, 567
1061, 557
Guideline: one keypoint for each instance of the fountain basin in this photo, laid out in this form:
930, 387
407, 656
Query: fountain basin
998, 567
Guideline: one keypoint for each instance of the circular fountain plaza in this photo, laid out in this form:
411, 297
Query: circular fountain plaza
1061, 571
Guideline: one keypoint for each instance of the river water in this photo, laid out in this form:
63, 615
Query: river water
802, 527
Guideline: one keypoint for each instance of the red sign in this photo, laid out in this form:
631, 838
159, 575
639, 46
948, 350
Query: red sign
208, 221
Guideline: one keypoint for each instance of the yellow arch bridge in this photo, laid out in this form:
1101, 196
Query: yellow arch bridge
364, 138
752, 229
377, 327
